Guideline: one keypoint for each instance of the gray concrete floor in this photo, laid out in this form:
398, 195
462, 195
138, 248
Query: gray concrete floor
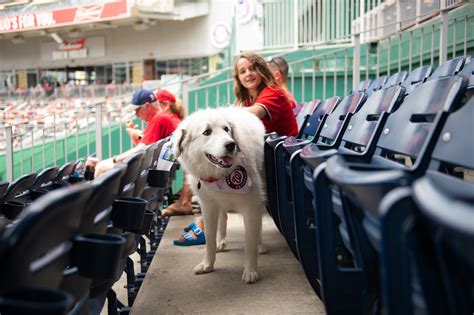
170, 286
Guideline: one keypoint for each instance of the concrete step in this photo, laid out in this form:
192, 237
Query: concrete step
171, 287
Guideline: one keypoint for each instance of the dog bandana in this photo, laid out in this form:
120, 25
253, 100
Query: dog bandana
236, 182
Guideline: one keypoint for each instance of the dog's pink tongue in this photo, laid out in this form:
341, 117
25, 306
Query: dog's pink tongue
227, 159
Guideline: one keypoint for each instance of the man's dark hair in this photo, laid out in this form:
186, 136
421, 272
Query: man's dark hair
280, 64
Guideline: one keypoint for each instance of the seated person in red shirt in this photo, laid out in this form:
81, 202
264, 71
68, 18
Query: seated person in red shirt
170, 104
167, 103
279, 68
159, 125
255, 87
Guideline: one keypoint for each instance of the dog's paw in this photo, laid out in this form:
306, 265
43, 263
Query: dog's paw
221, 246
249, 276
203, 268
262, 250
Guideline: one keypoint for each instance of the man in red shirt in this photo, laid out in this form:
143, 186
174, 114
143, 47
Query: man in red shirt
159, 125
279, 68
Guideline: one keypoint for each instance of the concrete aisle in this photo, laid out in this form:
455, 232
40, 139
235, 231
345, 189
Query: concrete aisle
170, 287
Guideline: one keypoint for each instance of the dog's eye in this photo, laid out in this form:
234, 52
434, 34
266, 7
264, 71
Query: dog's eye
207, 132
226, 129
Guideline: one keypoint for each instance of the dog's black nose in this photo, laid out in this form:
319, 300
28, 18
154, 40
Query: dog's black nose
230, 147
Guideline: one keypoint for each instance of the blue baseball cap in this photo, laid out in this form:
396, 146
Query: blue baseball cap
142, 97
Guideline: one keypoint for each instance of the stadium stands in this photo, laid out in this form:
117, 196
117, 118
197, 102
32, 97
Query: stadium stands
374, 199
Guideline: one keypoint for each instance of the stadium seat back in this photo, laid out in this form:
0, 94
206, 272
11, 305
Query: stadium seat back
45, 177
321, 111
363, 123
145, 166
407, 130
305, 111
133, 163
310, 108
395, 79
448, 68
35, 251
376, 84
331, 129
416, 77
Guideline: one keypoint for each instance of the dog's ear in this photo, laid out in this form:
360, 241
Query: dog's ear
180, 139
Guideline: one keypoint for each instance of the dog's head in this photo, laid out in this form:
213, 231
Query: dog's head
205, 143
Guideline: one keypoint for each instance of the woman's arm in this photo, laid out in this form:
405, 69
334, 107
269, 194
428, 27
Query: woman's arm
258, 110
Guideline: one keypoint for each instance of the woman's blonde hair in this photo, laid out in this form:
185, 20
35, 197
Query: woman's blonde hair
261, 67
178, 108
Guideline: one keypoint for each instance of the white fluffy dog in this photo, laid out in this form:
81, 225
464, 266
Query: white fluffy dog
221, 150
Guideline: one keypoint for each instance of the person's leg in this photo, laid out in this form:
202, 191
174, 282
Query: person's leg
184, 204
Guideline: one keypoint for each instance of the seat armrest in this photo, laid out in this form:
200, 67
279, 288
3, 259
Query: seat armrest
314, 157
293, 144
365, 187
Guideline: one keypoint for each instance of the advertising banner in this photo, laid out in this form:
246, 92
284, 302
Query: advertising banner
101, 11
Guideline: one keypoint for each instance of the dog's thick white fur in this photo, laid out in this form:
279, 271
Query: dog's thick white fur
209, 145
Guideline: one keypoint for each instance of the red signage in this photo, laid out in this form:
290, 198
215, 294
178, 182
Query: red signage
78, 44
102, 11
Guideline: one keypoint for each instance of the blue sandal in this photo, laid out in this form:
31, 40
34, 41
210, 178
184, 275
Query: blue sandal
190, 227
189, 240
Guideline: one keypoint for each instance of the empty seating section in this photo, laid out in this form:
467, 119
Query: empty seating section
64, 242
375, 196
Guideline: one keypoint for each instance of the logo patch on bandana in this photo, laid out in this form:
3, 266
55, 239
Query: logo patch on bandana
238, 178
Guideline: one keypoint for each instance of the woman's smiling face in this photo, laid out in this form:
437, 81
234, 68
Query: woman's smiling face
248, 76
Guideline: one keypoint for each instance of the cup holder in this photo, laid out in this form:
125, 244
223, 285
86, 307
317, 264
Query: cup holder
37, 192
158, 178
97, 255
128, 212
147, 221
11, 209
35, 302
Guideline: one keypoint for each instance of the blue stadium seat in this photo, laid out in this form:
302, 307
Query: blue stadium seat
395, 79
93, 226
416, 77
36, 249
145, 165
362, 87
44, 179
359, 139
428, 232
349, 191
328, 136
12, 202
310, 130
376, 84
134, 163
448, 68
304, 113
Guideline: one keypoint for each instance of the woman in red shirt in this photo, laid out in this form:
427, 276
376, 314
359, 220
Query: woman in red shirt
255, 87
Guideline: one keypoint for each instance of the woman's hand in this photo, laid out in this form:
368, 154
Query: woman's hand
103, 166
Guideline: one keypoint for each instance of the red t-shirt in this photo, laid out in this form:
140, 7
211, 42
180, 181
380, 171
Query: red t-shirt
159, 127
280, 117
176, 119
